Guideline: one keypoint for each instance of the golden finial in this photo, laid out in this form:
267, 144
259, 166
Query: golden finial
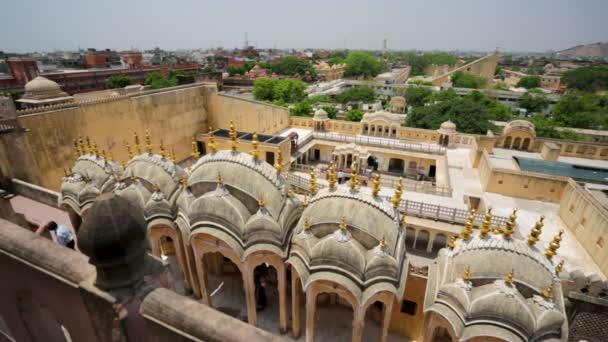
332, 175
383, 243
510, 226
189, 165
313, 182
535, 233
485, 225
233, 134
173, 158
306, 224
509, 277
353, 180
220, 180
195, 153
376, 185
89, 149
255, 143
342, 224
123, 164
156, 188
129, 152
104, 155
467, 230
65, 172
278, 164
398, 191
162, 149
466, 275
110, 156
78, 153
148, 142
554, 245
184, 181
305, 204
136, 141
559, 267
452, 242
81, 146
211, 143
95, 150
261, 202
548, 292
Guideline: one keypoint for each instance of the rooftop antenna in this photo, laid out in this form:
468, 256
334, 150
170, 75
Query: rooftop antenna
246, 41
384, 50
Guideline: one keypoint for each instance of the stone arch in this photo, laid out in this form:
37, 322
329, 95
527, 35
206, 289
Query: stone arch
439, 242
438, 329
507, 143
159, 231
516, 143
422, 239
396, 165
526, 144
39, 320
318, 287
385, 300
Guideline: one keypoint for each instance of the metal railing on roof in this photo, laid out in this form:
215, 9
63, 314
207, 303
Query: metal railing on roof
380, 142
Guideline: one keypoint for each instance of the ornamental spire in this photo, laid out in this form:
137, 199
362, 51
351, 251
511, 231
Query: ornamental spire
89, 147
211, 143
485, 225
306, 225
83, 150
509, 277
559, 267
148, 142
195, 153
313, 182
342, 224
255, 152
136, 141
535, 233
353, 180
261, 202
510, 226
278, 164
548, 292
331, 177
398, 192
466, 275
376, 185
78, 152
467, 230
162, 149
233, 143
452, 242
554, 245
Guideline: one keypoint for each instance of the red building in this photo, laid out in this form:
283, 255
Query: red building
23, 69
97, 59
132, 60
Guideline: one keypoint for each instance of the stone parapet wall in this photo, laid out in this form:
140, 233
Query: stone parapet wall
572, 148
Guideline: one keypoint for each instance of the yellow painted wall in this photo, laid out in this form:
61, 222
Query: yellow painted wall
588, 220
405, 324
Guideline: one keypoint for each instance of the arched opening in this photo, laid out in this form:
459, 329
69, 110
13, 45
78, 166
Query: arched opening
526, 144
439, 242
373, 322
334, 317
410, 236
446, 140
516, 143
507, 143
225, 285
396, 165
266, 292
412, 168
422, 240
441, 334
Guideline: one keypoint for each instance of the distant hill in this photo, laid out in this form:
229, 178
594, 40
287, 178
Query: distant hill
588, 50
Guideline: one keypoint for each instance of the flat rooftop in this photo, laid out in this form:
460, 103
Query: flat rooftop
582, 173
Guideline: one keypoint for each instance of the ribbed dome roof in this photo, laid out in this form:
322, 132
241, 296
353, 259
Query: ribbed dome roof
41, 88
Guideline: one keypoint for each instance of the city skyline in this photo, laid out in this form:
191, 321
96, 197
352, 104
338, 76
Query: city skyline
433, 25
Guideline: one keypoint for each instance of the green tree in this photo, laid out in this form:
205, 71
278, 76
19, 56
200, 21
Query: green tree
303, 108
417, 96
547, 128
337, 57
355, 115
236, 70
581, 111
291, 66
533, 103
463, 80
590, 78
529, 82
289, 90
263, 89
154, 80
499, 72
359, 63
118, 81
363, 93
501, 86
331, 111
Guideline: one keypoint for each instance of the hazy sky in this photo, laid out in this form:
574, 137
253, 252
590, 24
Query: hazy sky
531, 25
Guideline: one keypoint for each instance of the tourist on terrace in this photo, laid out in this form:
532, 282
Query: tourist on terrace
63, 234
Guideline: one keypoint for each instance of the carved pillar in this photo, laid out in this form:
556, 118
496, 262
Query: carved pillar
295, 304
192, 271
282, 298
429, 246
249, 285
415, 239
311, 313
387, 311
202, 277
358, 323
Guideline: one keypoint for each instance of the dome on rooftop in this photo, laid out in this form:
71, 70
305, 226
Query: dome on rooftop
41, 88
320, 114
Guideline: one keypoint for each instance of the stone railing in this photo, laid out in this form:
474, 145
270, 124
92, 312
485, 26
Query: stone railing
408, 184
10, 125
380, 142
416, 209
48, 108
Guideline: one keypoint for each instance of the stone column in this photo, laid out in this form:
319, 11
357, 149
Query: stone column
387, 312
311, 313
192, 271
358, 324
249, 285
202, 277
429, 246
282, 298
415, 239
295, 304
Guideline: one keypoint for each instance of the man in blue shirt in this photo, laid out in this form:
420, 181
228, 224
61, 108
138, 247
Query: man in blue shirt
63, 234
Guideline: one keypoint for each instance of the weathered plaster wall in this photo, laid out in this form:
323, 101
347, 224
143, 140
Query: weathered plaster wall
410, 326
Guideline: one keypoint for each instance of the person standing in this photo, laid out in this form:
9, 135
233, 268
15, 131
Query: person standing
63, 234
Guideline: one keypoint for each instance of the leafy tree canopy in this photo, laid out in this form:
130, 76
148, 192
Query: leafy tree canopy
355, 115
533, 103
590, 78
337, 57
547, 128
331, 111
417, 96
118, 81
420, 62
286, 90
291, 66
364, 93
529, 82
359, 63
155, 80
463, 80
303, 108
581, 111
